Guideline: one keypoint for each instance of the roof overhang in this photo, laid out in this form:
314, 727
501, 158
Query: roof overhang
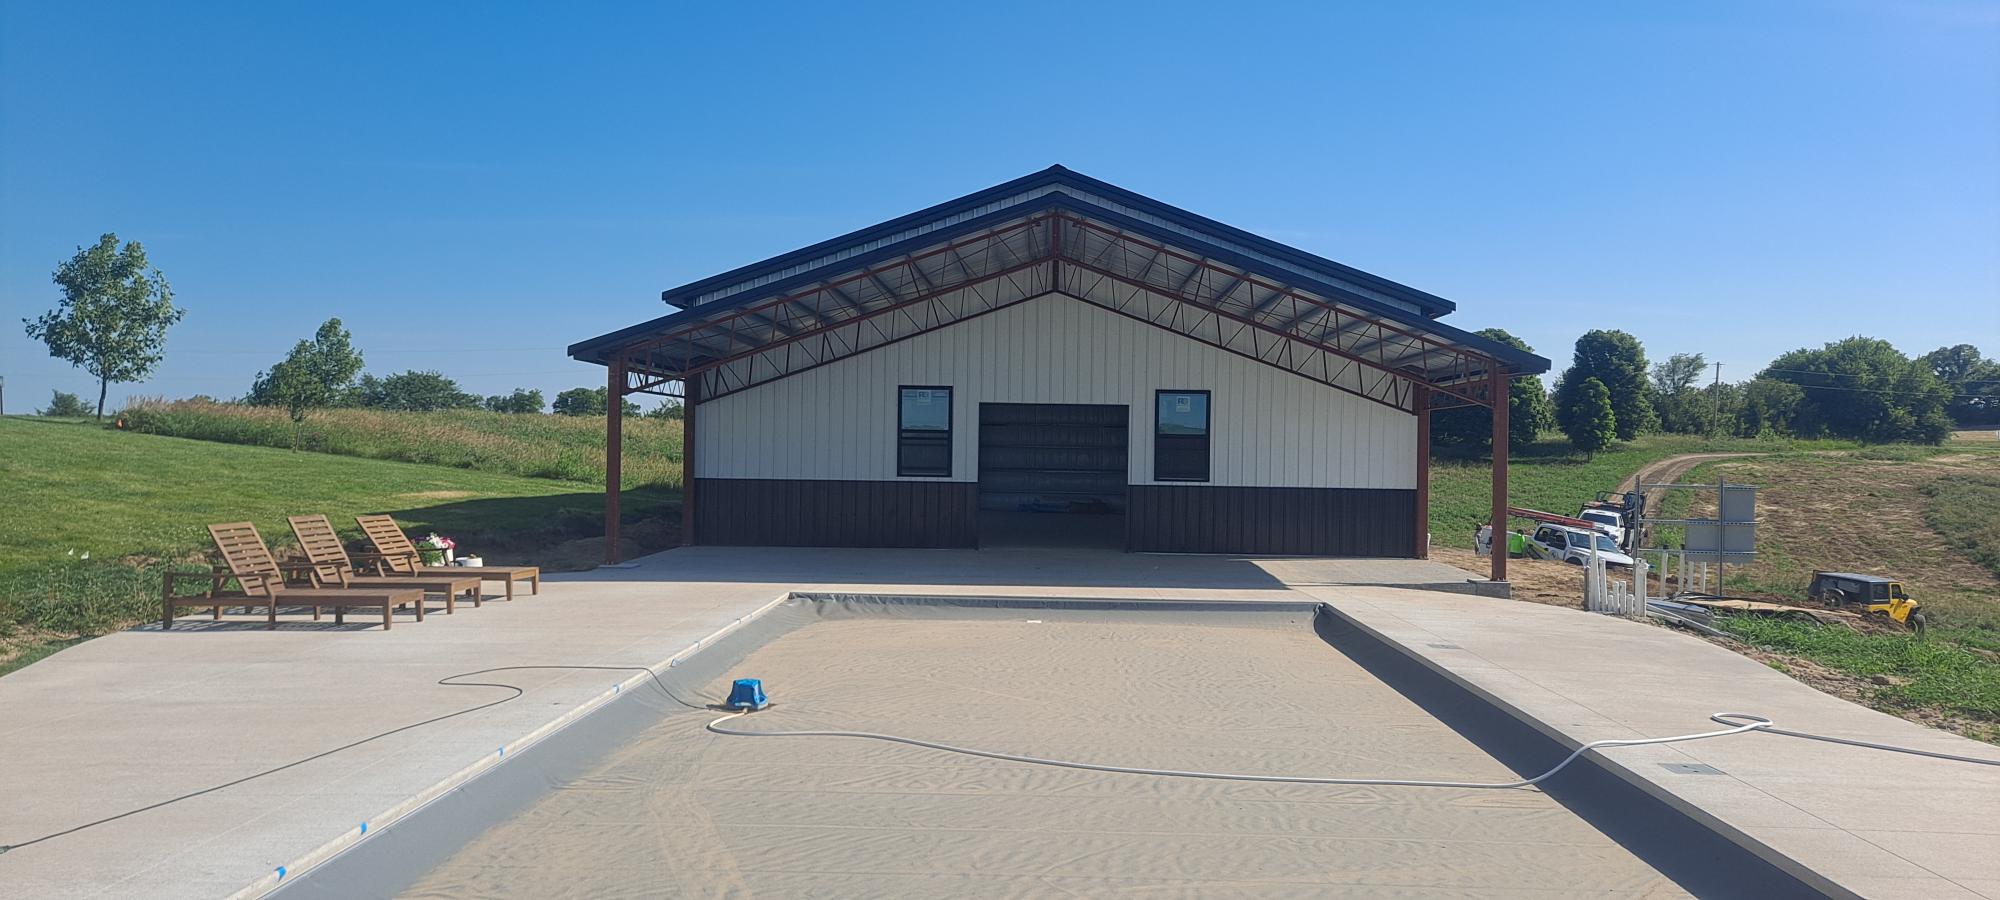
1077, 185
794, 314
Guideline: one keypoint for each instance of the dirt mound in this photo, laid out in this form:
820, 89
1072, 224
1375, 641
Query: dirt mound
1535, 580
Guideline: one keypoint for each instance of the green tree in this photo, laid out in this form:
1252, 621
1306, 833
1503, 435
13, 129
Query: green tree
413, 391
671, 409
522, 401
1471, 428
1725, 402
1768, 407
316, 374
114, 314
1863, 388
1592, 423
1618, 362
1684, 407
1972, 379
587, 402
66, 405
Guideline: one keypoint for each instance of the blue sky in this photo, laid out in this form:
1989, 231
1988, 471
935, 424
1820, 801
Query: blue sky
473, 187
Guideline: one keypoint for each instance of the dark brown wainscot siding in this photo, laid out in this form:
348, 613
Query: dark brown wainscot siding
812, 513
1292, 521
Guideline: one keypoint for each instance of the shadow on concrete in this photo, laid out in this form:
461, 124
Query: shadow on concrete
290, 618
1696, 856
207, 626
564, 535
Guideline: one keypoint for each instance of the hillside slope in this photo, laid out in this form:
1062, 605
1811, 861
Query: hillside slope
94, 515
565, 448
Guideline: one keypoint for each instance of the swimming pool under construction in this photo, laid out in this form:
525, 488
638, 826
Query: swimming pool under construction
644, 798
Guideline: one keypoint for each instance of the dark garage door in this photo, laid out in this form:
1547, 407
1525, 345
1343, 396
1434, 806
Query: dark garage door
1052, 474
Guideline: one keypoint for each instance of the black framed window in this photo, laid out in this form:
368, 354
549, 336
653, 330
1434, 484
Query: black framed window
1180, 436
923, 431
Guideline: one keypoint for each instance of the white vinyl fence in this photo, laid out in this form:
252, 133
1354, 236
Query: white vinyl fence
1614, 596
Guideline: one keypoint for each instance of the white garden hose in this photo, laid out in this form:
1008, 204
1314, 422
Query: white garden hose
1753, 723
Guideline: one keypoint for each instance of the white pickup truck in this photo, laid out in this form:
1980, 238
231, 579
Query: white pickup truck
1572, 545
1609, 521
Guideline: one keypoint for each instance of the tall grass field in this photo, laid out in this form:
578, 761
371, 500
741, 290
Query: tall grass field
565, 448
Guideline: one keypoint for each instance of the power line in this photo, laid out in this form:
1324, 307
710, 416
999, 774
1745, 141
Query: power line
1867, 375
1856, 390
203, 351
454, 375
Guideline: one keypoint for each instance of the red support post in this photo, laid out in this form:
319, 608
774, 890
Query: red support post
1496, 393
689, 394
614, 454
1422, 401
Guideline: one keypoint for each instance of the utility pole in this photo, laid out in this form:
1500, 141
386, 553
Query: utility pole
1715, 397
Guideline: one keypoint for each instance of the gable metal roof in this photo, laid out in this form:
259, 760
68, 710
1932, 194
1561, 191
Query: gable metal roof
1026, 189
825, 303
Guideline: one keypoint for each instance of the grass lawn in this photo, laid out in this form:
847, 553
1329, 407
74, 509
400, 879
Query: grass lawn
1922, 515
136, 503
565, 448
1933, 680
1552, 477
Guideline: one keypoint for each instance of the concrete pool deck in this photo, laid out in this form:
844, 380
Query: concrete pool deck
1875, 823
134, 718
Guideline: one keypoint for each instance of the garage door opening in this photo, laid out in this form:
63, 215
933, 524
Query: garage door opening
1052, 475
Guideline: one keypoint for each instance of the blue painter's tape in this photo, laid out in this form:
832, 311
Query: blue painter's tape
281, 873
503, 753
364, 828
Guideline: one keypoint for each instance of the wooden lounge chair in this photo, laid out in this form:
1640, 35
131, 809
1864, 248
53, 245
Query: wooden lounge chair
246, 559
332, 568
395, 555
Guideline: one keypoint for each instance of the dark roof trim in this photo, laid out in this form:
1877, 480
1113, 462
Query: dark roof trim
1519, 361
1522, 361
1431, 304
812, 276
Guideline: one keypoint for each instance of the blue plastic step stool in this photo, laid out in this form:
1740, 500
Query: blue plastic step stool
747, 693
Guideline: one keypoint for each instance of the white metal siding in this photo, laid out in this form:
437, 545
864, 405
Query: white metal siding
1267, 427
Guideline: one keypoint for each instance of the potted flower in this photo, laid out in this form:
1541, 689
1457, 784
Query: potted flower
436, 551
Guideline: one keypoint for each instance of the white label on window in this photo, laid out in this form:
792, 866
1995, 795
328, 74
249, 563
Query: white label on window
1183, 404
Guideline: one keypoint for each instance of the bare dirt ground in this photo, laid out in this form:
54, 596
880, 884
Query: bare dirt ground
1826, 511
1846, 512
1839, 510
1534, 580
1560, 584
